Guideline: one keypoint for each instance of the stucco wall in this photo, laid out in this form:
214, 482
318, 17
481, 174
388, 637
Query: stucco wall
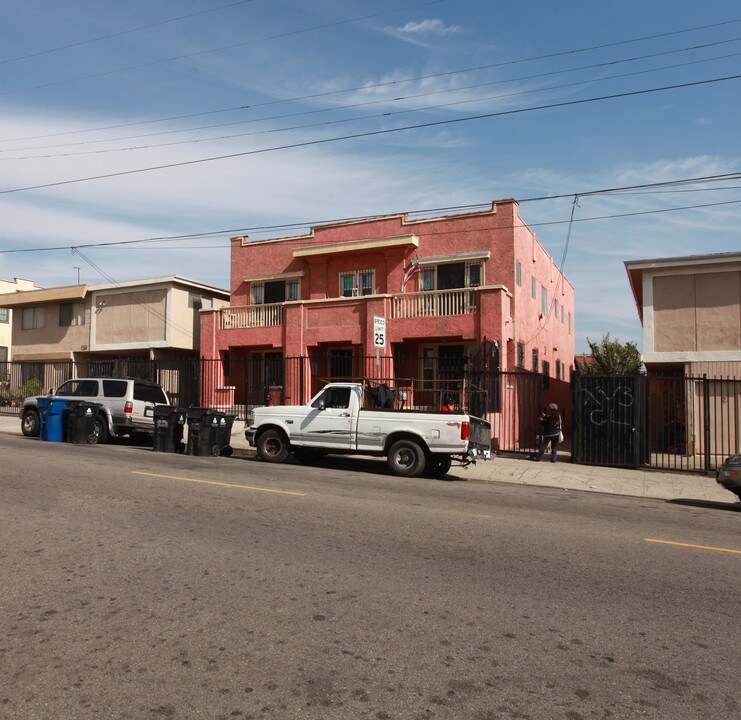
53, 342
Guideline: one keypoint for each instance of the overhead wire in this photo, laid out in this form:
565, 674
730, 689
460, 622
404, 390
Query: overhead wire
372, 86
387, 114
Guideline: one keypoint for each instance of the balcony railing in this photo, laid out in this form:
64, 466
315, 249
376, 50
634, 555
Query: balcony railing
252, 316
434, 304
407, 305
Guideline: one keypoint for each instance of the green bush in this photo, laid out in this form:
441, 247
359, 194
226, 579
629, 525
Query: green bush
31, 387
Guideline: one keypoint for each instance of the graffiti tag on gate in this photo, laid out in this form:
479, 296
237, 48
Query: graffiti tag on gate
603, 407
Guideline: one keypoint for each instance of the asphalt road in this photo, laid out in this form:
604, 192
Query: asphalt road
142, 585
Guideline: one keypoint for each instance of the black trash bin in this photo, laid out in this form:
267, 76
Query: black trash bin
209, 432
168, 429
80, 422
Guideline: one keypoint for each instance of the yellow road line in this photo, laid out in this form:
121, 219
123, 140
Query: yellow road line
223, 484
699, 547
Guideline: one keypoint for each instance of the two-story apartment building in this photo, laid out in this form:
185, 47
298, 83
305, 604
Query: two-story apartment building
151, 318
6, 315
690, 309
442, 285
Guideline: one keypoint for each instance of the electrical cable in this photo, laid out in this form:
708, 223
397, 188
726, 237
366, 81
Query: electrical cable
373, 133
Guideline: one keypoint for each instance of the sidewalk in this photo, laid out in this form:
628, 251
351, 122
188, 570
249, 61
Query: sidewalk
564, 475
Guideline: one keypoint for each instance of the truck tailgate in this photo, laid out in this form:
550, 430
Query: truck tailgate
480, 437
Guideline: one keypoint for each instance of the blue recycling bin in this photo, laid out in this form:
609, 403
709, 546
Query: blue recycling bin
51, 426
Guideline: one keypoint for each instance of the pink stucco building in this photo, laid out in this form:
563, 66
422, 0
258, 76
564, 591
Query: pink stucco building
469, 277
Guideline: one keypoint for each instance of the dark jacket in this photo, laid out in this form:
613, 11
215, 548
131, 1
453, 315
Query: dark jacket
551, 424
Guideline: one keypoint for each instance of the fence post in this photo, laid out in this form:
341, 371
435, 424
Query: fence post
706, 420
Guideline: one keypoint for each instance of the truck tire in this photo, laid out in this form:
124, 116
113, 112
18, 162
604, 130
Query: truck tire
437, 466
272, 446
406, 458
30, 425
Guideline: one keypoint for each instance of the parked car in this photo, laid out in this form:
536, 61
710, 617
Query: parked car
126, 405
729, 474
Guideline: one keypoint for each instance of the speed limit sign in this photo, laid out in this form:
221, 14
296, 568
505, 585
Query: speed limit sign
379, 332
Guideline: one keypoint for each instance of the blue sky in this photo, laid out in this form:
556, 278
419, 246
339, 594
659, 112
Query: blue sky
102, 88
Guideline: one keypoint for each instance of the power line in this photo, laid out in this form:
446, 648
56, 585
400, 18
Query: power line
108, 36
231, 46
372, 133
119, 244
588, 81
406, 80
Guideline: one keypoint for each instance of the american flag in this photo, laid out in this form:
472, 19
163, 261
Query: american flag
409, 273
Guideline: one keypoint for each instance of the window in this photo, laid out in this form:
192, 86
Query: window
534, 287
546, 374
536, 361
338, 398
518, 273
33, 318
114, 388
520, 355
4, 315
71, 314
562, 314
198, 302
451, 276
558, 369
569, 323
275, 291
543, 301
149, 393
79, 388
555, 308
359, 282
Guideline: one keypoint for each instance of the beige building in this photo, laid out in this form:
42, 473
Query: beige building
690, 308
152, 318
6, 315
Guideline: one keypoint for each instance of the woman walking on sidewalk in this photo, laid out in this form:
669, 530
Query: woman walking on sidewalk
551, 422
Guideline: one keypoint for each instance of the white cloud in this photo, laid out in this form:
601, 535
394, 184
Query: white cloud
434, 26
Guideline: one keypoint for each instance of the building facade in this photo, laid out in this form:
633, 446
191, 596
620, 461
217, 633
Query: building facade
441, 286
151, 318
6, 315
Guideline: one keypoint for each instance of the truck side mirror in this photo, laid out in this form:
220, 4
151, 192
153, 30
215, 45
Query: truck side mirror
321, 406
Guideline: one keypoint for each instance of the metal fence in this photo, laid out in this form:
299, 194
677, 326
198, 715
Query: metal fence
672, 422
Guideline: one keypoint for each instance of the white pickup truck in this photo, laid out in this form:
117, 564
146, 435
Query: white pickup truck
342, 419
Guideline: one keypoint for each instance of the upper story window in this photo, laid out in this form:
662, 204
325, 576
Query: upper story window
533, 287
71, 314
518, 273
199, 302
4, 315
358, 282
536, 360
451, 276
555, 308
520, 355
275, 291
569, 323
544, 301
33, 318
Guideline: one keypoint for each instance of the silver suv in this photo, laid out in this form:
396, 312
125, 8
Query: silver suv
126, 405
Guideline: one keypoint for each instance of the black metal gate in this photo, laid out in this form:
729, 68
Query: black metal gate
609, 416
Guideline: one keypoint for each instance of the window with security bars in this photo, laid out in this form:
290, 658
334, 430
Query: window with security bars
275, 291
520, 355
451, 276
536, 360
358, 282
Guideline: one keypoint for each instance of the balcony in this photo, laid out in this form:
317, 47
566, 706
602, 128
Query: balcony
252, 316
434, 304
442, 303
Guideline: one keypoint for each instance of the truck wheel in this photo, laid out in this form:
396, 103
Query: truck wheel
100, 431
30, 423
406, 458
272, 446
438, 466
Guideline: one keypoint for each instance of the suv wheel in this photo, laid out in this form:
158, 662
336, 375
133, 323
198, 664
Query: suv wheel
30, 423
100, 431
